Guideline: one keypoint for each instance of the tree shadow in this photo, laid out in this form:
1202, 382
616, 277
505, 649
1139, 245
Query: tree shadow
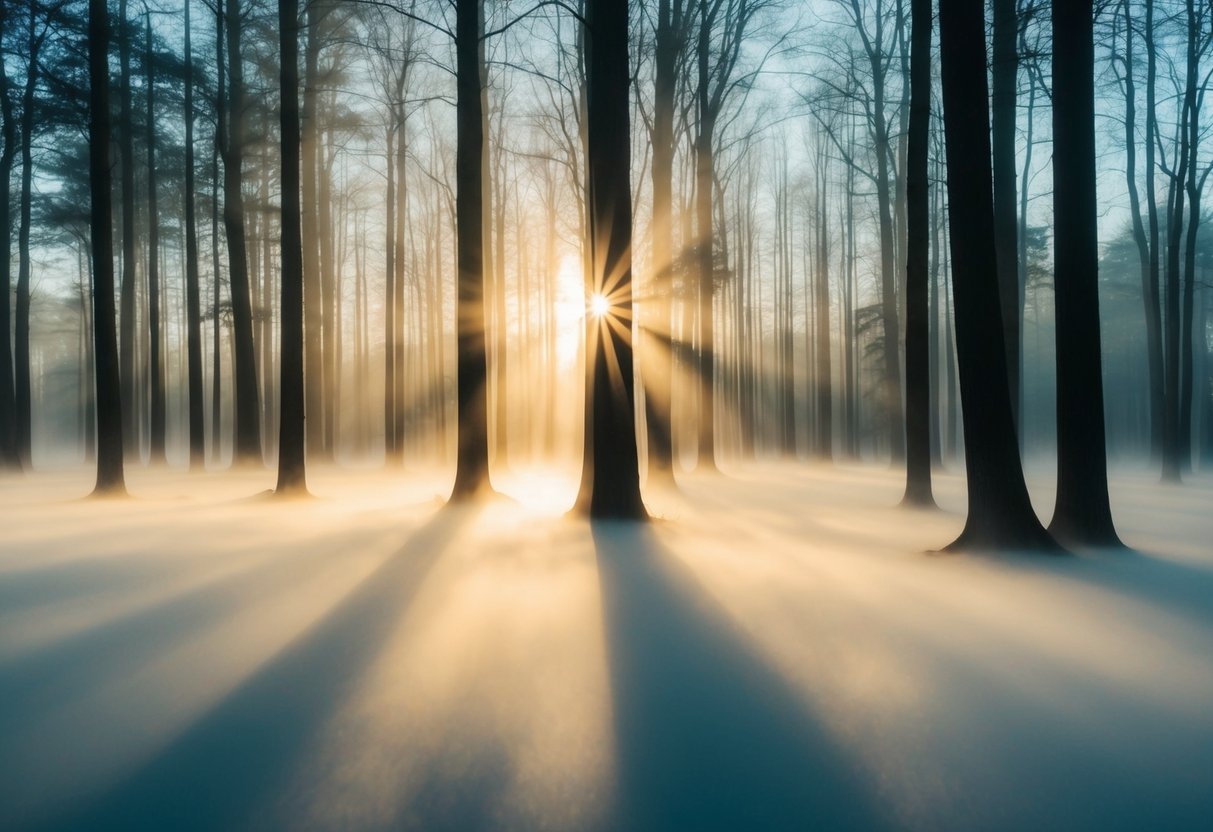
1136, 575
54, 674
224, 769
707, 736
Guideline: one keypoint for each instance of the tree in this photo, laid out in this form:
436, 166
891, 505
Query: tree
193, 301
155, 368
292, 478
918, 209
9, 457
1000, 514
668, 49
110, 478
248, 411
1082, 514
610, 489
472, 464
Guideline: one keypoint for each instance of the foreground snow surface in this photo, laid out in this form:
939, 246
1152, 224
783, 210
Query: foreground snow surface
778, 652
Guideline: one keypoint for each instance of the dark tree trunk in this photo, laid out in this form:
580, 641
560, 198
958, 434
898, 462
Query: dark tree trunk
1082, 514
127, 313
705, 174
1152, 298
156, 368
1149, 282
9, 458
216, 331
472, 466
292, 479
313, 379
918, 205
248, 410
193, 298
658, 366
1004, 71
613, 484
105, 347
1171, 444
824, 387
389, 307
22, 333
1000, 513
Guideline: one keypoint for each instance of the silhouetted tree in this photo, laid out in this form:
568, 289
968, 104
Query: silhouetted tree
472, 465
9, 457
193, 297
610, 489
1082, 514
918, 370
1000, 514
110, 479
292, 478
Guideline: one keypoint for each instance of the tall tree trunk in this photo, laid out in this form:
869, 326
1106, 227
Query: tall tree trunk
1082, 514
1000, 514
1149, 282
611, 490
9, 458
127, 312
1004, 71
193, 299
156, 368
1171, 445
1152, 297
248, 411
472, 466
705, 175
328, 291
389, 306
825, 394
110, 479
918, 205
313, 377
292, 477
22, 333
216, 331
658, 365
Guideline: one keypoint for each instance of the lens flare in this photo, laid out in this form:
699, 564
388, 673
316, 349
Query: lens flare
599, 305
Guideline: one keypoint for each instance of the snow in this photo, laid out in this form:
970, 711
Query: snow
778, 650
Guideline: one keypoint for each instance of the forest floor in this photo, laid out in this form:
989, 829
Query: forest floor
779, 651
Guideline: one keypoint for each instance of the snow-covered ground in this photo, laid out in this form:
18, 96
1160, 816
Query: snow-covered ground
777, 652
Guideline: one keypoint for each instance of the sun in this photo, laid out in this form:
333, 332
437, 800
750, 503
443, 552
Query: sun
599, 305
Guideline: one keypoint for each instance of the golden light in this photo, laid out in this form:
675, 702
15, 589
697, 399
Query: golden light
599, 305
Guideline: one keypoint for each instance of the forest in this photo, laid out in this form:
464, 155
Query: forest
606, 414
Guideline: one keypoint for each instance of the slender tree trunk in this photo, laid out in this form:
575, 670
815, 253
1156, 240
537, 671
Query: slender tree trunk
1082, 514
918, 199
292, 478
1000, 513
193, 299
248, 411
1171, 445
216, 331
110, 479
825, 390
472, 466
22, 333
127, 312
612, 489
705, 174
313, 378
156, 368
658, 365
1152, 297
9, 458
